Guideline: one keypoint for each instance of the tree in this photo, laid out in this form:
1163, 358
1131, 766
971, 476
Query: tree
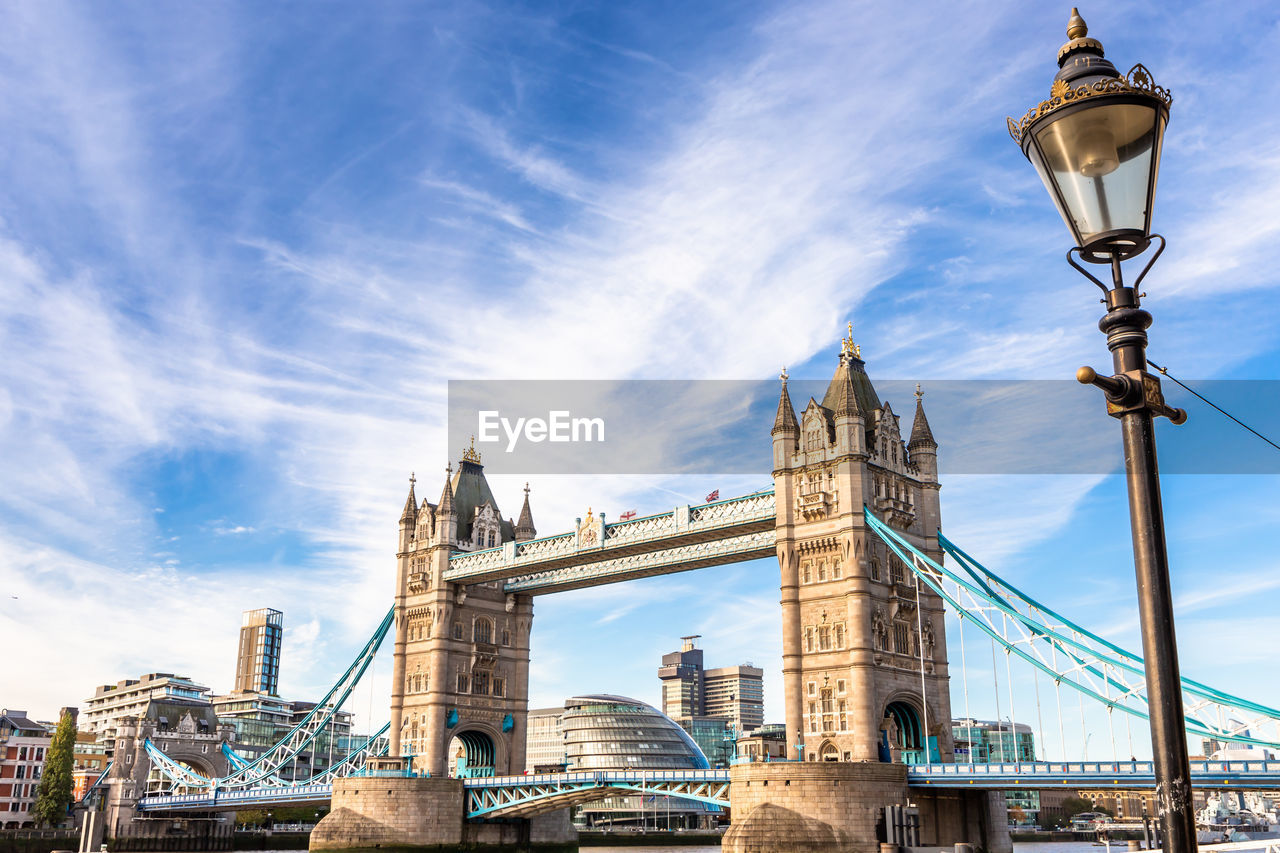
1073, 806
53, 796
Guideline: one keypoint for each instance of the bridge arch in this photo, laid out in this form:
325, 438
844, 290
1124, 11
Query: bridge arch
902, 735
476, 752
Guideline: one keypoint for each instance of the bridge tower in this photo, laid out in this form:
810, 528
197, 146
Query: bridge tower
864, 651
461, 668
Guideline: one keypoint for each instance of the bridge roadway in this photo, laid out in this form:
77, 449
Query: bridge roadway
521, 796
688, 537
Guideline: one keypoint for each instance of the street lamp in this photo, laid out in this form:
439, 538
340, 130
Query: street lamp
1096, 145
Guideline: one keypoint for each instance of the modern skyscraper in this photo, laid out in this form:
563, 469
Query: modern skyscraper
735, 693
731, 694
258, 663
681, 676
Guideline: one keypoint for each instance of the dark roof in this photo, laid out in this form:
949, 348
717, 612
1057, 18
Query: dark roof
920, 432
785, 421
21, 724
851, 390
470, 492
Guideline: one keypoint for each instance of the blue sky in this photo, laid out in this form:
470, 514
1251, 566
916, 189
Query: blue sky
243, 249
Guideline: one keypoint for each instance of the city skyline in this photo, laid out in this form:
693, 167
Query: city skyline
229, 291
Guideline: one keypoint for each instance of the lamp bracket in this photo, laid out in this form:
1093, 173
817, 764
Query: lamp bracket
1094, 256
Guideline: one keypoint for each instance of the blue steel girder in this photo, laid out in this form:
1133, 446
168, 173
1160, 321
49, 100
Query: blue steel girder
524, 796
685, 526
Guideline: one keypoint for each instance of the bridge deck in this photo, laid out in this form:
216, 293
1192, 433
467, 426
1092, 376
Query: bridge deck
501, 796
688, 537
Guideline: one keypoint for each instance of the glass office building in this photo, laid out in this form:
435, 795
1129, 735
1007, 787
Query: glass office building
605, 732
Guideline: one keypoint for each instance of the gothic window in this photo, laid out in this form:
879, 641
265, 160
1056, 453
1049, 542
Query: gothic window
875, 568
483, 630
844, 719
428, 628
464, 683
506, 636
835, 570
808, 571
840, 685
808, 639
901, 638
457, 630
822, 570
895, 570
491, 537
828, 709
480, 684
813, 716
813, 688
499, 686
839, 635
824, 638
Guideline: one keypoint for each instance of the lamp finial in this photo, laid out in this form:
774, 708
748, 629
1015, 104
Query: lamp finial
1076, 27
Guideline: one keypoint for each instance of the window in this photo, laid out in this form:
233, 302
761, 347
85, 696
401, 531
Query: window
828, 718
813, 717
901, 638
457, 630
895, 570
506, 636
808, 572
835, 570
808, 639
839, 635
824, 638
813, 688
480, 684
483, 630
464, 685
822, 570
840, 685
499, 686
875, 568
844, 720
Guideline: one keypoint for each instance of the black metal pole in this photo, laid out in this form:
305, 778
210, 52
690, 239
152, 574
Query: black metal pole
1125, 325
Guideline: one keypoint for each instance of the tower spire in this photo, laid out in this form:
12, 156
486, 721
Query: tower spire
920, 432
785, 421
411, 503
524, 529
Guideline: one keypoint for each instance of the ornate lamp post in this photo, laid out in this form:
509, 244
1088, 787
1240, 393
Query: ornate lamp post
1096, 144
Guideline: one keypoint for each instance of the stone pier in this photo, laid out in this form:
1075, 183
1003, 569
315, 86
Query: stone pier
839, 807
390, 814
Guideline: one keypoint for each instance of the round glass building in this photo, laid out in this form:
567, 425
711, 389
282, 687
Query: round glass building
605, 732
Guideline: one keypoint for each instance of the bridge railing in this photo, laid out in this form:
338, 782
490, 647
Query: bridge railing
1092, 768
600, 777
686, 519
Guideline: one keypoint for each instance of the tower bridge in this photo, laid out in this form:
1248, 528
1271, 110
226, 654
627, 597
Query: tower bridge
866, 579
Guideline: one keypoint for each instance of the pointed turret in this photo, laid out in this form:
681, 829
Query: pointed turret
524, 528
410, 513
446, 515
921, 435
850, 391
446, 496
785, 422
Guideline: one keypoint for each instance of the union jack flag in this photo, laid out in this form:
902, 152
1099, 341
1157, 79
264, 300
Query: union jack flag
714, 496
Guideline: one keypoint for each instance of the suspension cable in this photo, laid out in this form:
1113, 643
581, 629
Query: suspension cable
1057, 689
924, 703
1165, 371
995, 680
1013, 713
964, 671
